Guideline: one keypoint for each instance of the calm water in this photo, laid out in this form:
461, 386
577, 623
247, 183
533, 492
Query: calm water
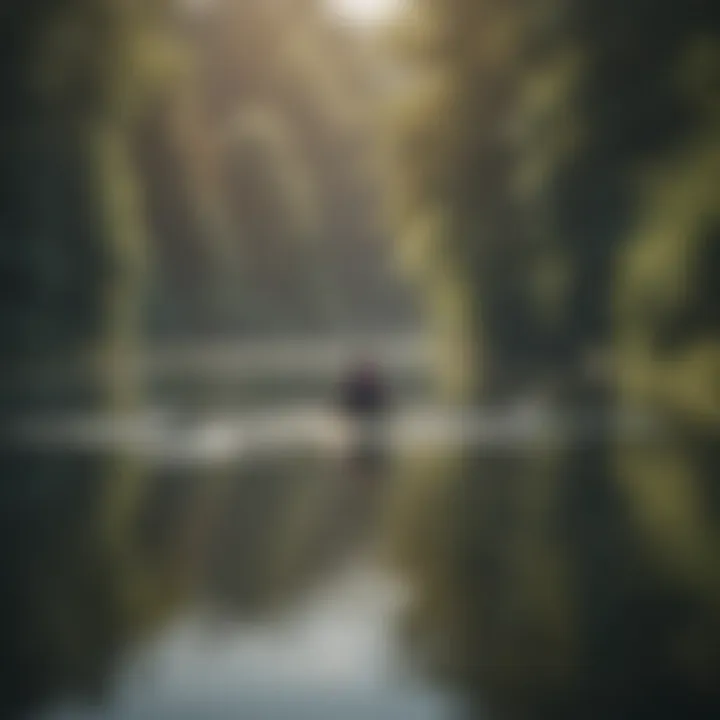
333, 654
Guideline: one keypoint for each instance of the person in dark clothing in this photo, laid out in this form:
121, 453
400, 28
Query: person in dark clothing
363, 393
365, 401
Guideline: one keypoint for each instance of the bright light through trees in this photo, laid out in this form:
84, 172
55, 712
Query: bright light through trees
364, 11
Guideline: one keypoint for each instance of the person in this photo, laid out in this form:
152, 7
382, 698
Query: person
365, 402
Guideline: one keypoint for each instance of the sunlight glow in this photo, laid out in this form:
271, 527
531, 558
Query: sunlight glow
364, 11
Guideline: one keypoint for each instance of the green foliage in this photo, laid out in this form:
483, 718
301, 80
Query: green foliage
72, 245
572, 151
259, 147
187, 173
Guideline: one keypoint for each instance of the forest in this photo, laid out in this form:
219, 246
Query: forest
536, 185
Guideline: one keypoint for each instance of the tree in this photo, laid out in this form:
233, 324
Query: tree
569, 145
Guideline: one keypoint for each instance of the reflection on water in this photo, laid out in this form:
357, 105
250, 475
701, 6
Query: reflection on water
250, 502
242, 527
285, 614
331, 656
